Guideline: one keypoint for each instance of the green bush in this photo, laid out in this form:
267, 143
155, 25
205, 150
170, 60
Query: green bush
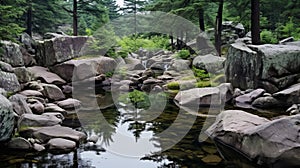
267, 37
183, 54
173, 85
288, 29
138, 98
200, 73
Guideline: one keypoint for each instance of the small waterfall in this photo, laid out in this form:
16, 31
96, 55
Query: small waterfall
144, 63
166, 67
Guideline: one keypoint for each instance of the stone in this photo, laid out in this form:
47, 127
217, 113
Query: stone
81, 69
7, 120
180, 65
59, 49
67, 89
9, 81
44, 134
260, 140
247, 99
50, 107
293, 110
133, 64
289, 96
19, 143
211, 159
36, 106
23, 74
19, 104
45, 75
210, 63
271, 67
31, 93
33, 120
237, 92
34, 85
52, 92
39, 148
60, 145
266, 102
69, 103
6, 67
3, 92
11, 53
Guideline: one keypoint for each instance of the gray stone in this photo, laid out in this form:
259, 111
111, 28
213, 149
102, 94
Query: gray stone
36, 106
11, 54
23, 74
60, 145
69, 103
34, 85
180, 65
59, 49
33, 120
6, 67
266, 102
3, 92
19, 104
19, 143
31, 93
133, 64
53, 92
9, 81
50, 107
74, 70
271, 67
46, 76
67, 89
211, 63
39, 148
248, 98
260, 140
289, 96
44, 134
7, 119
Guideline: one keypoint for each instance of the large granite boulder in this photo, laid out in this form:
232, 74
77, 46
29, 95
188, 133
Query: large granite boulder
209, 62
266, 143
289, 96
84, 68
45, 75
52, 92
61, 145
19, 104
271, 67
8, 80
33, 120
23, 74
7, 119
59, 49
11, 53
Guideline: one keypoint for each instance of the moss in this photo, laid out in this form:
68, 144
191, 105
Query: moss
173, 85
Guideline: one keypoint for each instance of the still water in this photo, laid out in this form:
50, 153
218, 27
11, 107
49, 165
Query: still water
128, 138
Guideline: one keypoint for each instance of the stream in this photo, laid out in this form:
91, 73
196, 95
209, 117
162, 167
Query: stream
127, 142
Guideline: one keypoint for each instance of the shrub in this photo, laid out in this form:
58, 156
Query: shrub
267, 37
173, 85
138, 98
183, 54
200, 73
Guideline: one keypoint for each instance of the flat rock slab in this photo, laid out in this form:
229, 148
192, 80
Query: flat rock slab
19, 143
290, 95
44, 134
33, 120
60, 145
31, 93
46, 75
69, 104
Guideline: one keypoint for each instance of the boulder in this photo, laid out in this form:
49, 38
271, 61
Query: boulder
33, 120
44, 134
39, 148
210, 62
247, 99
43, 74
60, 145
133, 64
266, 102
19, 104
74, 70
36, 106
50, 107
289, 96
52, 92
19, 143
59, 49
271, 67
23, 74
258, 140
31, 93
11, 54
7, 119
8, 80
69, 103
3, 92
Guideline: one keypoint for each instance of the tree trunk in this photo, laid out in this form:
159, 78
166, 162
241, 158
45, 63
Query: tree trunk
75, 19
218, 29
29, 19
201, 19
255, 28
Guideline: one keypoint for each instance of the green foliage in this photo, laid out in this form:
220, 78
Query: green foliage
173, 85
288, 29
138, 98
183, 54
10, 11
268, 37
133, 44
200, 73
201, 84
109, 74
